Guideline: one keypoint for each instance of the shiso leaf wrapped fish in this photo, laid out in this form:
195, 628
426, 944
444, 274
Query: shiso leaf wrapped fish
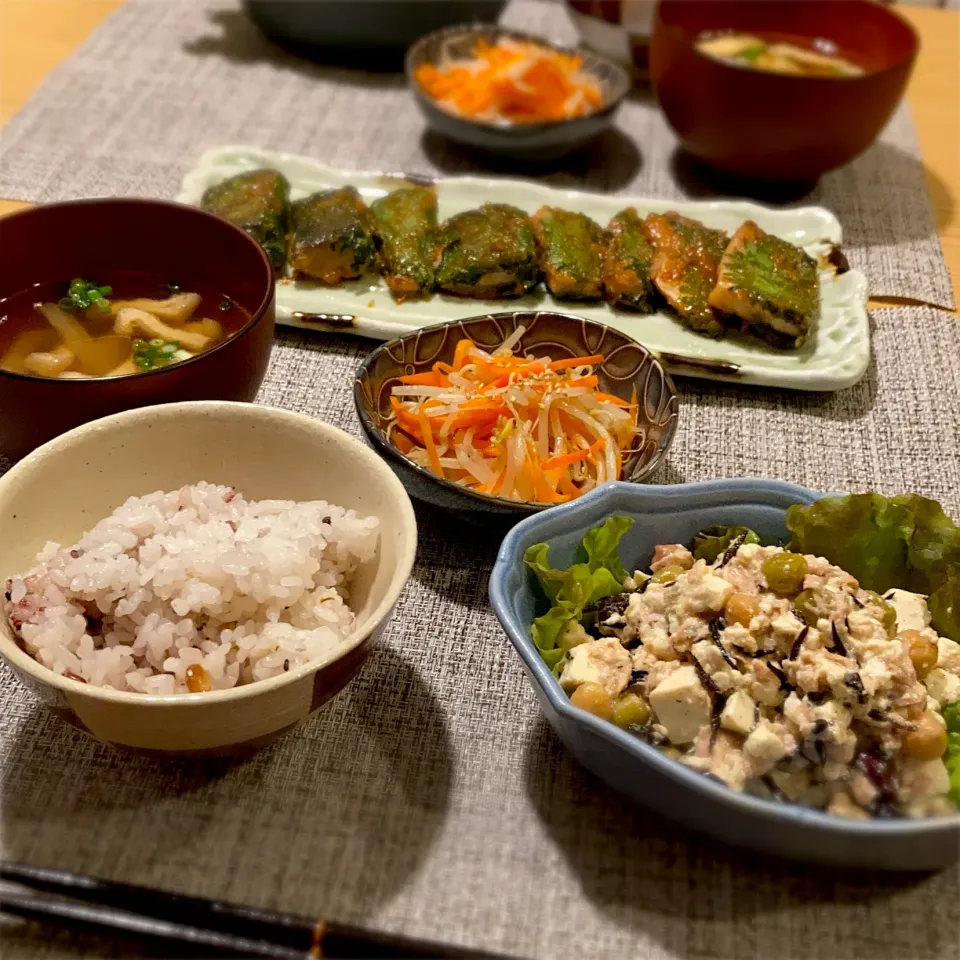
684, 268
332, 238
627, 260
571, 253
769, 284
258, 202
405, 223
488, 253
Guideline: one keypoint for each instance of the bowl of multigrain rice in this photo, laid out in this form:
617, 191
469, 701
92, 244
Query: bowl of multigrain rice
198, 577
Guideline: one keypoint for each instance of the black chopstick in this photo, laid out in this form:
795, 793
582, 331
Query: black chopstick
195, 921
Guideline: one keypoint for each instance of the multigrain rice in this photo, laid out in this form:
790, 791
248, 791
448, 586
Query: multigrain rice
192, 590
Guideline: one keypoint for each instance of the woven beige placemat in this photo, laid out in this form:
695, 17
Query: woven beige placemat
162, 80
430, 797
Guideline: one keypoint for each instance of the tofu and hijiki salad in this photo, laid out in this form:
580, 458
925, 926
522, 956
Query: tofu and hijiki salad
825, 672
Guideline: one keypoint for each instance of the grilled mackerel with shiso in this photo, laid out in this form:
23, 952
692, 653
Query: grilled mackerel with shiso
571, 253
488, 253
258, 203
770, 285
684, 266
405, 222
332, 238
627, 260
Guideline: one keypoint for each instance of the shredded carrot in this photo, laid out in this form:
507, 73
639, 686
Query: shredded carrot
514, 425
460, 354
575, 362
426, 380
427, 431
610, 398
513, 82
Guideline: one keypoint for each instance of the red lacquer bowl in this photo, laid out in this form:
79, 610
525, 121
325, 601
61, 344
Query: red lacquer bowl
769, 126
98, 238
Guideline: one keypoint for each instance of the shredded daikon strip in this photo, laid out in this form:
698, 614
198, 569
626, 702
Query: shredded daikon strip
507, 346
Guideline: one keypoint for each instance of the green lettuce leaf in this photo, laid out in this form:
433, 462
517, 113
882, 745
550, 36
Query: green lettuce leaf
951, 758
944, 606
580, 586
934, 546
906, 542
865, 534
602, 546
710, 542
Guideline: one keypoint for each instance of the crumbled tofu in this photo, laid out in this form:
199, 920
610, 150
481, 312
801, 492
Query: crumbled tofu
708, 656
671, 555
863, 789
766, 745
727, 762
740, 636
948, 655
786, 627
923, 778
709, 595
912, 612
601, 661
763, 684
841, 805
681, 704
942, 686
739, 713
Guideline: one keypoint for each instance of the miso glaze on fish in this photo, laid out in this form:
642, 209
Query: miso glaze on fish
488, 253
406, 223
571, 253
332, 237
627, 260
684, 266
769, 284
258, 202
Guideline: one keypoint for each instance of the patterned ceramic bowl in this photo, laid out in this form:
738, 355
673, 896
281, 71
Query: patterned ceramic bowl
522, 141
628, 365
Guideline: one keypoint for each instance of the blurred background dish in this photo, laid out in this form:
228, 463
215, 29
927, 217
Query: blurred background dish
342, 29
617, 29
770, 126
43, 246
628, 370
549, 139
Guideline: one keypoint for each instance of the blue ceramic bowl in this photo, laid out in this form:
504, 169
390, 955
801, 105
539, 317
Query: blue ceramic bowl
674, 514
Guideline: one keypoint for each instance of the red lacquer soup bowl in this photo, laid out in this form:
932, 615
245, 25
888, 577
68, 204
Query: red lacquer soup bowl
772, 126
140, 246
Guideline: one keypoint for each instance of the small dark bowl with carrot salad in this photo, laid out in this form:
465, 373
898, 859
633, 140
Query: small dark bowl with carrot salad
513, 94
501, 416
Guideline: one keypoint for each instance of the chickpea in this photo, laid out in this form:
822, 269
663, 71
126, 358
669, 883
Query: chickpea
594, 699
923, 651
630, 710
741, 608
197, 679
668, 574
785, 572
928, 741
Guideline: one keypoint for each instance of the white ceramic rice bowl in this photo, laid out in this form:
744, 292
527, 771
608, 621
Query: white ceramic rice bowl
65, 487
